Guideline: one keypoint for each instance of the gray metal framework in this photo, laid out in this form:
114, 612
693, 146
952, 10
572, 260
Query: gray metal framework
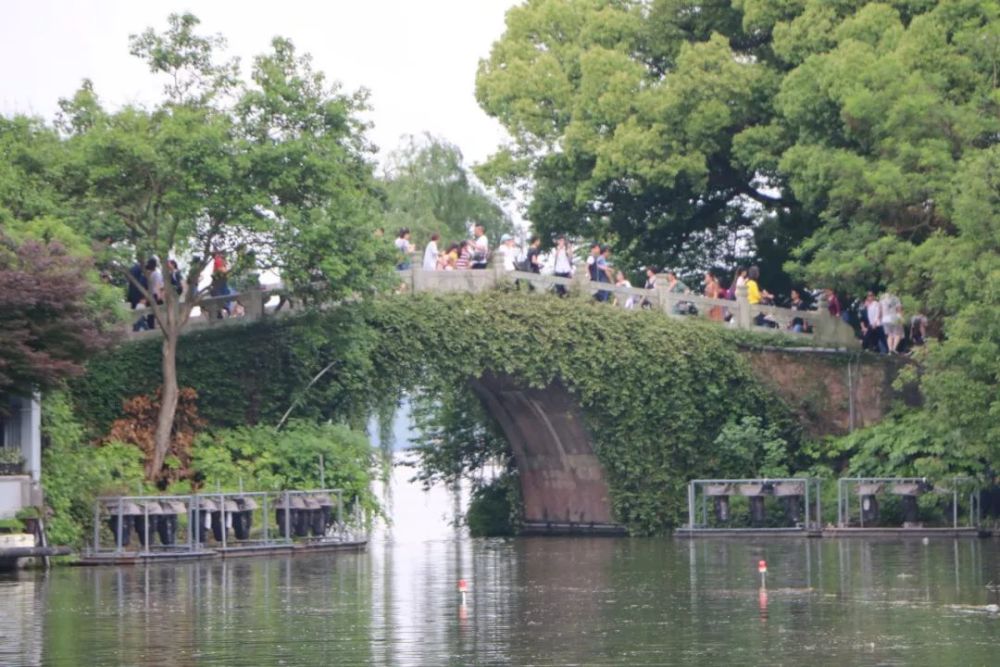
123, 508
811, 498
844, 497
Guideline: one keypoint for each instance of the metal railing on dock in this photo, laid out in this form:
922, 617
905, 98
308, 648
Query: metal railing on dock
908, 489
800, 497
213, 524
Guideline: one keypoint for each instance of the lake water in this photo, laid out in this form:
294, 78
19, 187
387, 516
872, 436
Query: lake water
531, 601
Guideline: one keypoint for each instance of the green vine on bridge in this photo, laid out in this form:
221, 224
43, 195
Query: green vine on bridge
655, 391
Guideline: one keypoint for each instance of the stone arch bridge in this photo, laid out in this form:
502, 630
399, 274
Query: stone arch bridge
829, 385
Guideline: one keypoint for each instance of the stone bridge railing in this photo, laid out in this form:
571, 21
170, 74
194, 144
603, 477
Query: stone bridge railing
822, 329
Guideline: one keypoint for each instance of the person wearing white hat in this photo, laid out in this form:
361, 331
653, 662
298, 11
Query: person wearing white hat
507, 252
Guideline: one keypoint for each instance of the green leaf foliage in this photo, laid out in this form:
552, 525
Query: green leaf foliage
77, 472
429, 190
493, 508
854, 141
264, 458
655, 392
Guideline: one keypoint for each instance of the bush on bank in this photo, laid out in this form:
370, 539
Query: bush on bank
301, 455
77, 471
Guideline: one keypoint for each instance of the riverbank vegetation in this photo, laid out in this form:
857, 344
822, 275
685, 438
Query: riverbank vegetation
842, 145
81, 466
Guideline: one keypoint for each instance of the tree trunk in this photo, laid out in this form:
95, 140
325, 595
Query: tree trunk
171, 316
168, 404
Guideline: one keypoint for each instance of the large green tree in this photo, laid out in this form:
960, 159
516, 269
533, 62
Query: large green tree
626, 121
668, 126
275, 172
854, 140
54, 309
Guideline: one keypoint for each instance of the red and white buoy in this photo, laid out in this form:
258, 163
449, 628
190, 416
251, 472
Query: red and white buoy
462, 588
762, 569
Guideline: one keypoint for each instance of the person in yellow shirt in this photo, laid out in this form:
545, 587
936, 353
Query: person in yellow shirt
754, 293
756, 296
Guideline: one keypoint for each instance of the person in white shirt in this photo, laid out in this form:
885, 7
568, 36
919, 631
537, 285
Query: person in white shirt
621, 281
892, 321
431, 253
154, 280
507, 252
874, 334
562, 262
481, 248
404, 248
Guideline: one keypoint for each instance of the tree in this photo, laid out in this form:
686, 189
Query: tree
856, 141
54, 309
50, 321
630, 123
667, 127
30, 160
273, 172
428, 189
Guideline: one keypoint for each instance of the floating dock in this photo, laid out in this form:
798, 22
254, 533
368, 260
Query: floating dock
798, 502
144, 557
746, 533
221, 525
557, 528
914, 531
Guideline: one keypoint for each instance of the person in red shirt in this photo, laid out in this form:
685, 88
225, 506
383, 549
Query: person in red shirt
219, 263
833, 303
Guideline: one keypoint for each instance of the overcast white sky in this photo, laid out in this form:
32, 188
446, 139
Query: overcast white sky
417, 57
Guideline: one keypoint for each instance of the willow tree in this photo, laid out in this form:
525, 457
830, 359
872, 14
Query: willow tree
274, 170
429, 189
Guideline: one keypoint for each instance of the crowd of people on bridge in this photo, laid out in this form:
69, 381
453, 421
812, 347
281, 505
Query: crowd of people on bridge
147, 278
878, 320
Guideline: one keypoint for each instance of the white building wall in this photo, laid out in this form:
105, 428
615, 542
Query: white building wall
22, 430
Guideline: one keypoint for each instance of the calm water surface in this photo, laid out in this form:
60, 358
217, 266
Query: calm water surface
531, 601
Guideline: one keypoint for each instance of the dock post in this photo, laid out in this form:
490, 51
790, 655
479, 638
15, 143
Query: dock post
267, 540
222, 518
807, 504
118, 545
840, 504
691, 504
340, 512
288, 517
97, 526
145, 526
819, 515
